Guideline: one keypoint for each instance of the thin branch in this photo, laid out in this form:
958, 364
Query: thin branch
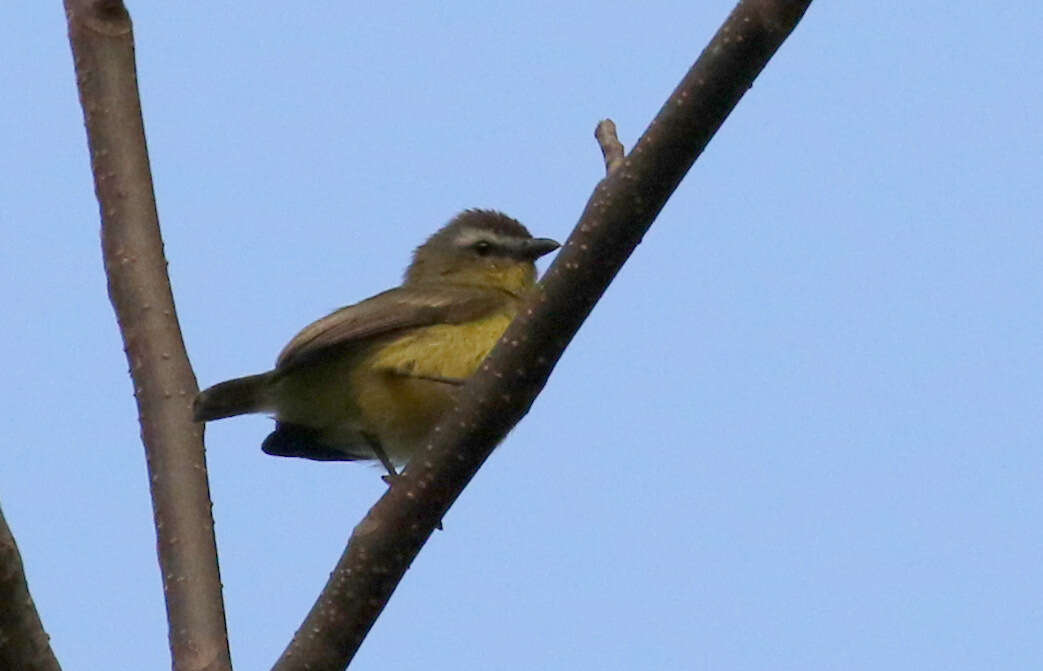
23, 642
102, 42
618, 214
611, 147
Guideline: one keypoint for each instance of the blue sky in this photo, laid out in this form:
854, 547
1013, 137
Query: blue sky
802, 430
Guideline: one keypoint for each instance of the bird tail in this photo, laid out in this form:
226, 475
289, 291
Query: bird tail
240, 396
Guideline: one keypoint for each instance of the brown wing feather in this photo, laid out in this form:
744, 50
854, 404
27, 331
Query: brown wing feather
393, 310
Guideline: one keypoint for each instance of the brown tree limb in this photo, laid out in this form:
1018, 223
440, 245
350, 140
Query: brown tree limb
23, 642
618, 214
102, 42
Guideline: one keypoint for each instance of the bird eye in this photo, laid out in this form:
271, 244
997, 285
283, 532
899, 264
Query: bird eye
482, 247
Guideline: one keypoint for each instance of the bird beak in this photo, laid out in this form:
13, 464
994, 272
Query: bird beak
537, 247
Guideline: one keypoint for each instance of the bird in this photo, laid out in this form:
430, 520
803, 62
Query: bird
371, 380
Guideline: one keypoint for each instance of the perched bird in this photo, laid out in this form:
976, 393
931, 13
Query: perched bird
372, 379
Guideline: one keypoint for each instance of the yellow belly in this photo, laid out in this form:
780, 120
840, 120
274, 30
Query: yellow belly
378, 391
397, 402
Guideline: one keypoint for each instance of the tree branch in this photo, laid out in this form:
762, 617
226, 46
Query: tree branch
23, 642
618, 214
102, 42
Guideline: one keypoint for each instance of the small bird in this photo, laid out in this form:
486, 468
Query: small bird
371, 380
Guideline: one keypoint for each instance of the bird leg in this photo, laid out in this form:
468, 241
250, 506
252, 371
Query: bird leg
378, 450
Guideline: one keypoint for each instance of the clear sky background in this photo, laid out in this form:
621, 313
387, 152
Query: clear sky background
802, 430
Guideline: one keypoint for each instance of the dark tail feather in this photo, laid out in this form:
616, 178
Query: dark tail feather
294, 440
235, 397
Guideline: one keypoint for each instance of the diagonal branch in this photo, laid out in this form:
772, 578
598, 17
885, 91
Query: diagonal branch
618, 214
23, 642
103, 50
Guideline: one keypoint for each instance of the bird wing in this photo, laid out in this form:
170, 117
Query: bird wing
393, 310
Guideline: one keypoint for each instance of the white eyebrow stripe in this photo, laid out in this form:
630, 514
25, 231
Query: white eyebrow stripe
469, 236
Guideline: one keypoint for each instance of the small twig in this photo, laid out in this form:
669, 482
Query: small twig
611, 147
23, 642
